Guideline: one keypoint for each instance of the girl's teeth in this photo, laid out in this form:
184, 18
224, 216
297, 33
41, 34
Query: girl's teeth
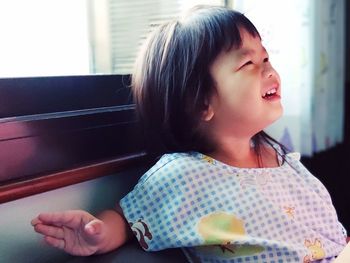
270, 92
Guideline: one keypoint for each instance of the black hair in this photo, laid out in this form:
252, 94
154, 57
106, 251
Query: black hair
171, 80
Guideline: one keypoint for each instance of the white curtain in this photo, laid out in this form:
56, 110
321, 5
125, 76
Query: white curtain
305, 40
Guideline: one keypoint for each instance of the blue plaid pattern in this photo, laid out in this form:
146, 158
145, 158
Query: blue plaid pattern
220, 213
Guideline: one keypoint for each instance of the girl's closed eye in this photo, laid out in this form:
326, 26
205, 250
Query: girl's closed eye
246, 64
250, 62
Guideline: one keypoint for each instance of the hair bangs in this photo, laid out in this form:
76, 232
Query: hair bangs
220, 27
227, 33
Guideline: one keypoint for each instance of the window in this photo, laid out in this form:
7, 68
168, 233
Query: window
43, 38
119, 27
80, 37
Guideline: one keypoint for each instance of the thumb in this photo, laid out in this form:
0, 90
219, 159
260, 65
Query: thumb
94, 227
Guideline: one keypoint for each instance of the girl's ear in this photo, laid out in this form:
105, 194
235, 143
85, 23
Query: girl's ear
208, 113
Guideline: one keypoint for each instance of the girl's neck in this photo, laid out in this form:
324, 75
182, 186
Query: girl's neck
242, 154
238, 153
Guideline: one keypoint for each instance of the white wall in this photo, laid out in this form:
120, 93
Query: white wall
19, 243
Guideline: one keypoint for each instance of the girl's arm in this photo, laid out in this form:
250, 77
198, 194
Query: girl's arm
79, 233
118, 231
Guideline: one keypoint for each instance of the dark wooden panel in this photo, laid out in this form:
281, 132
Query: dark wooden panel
50, 124
10, 192
33, 147
29, 96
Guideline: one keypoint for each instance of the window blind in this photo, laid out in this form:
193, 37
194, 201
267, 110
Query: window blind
128, 24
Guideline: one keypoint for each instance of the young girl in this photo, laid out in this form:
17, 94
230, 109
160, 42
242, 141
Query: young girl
224, 191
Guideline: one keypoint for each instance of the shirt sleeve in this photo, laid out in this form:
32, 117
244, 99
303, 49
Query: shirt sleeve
153, 209
314, 183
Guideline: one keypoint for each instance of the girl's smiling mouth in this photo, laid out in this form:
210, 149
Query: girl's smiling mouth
271, 93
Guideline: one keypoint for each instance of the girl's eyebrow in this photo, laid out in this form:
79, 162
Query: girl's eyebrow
243, 52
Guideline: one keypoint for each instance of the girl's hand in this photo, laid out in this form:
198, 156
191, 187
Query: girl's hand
77, 232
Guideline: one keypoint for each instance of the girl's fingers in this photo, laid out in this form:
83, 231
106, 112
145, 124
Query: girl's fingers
35, 221
55, 218
55, 242
52, 231
67, 218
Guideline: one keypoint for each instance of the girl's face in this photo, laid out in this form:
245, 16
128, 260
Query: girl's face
247, 90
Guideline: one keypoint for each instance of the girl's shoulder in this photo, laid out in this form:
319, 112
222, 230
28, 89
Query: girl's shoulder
173, 164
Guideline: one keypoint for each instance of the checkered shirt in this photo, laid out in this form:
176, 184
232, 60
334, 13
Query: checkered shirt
219, 213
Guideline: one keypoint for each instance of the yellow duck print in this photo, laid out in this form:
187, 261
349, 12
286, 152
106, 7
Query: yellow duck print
316, 250
218, 231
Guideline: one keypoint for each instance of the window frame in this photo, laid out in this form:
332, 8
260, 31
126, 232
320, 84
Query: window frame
57, 131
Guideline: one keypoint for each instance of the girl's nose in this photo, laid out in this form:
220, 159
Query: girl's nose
268, 71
